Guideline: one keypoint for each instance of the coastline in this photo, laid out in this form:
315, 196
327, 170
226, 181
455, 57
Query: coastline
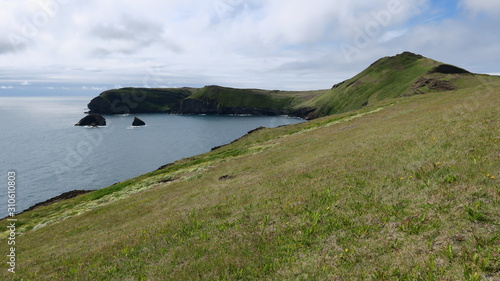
61, 197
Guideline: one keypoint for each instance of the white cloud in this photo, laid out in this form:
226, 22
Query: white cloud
392, 34
486, 6
274, 44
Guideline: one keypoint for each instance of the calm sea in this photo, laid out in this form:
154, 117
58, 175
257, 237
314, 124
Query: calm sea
38, 140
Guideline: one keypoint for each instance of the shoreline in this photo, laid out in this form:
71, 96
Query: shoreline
61, 197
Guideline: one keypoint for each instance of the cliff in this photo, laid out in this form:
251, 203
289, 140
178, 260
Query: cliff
138, 100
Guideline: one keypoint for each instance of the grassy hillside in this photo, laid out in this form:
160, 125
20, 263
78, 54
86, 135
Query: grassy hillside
281, 102
405, 74
401, 189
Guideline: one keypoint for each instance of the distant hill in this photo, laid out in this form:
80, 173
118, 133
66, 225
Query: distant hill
206, 100
402, 75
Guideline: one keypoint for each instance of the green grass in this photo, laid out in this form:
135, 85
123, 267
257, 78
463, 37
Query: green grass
387, 78
283, 101
402, 189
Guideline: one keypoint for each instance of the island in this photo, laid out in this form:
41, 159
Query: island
92, 120
138, 122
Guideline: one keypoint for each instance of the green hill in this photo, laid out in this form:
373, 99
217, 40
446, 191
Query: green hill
403, 75
399, 189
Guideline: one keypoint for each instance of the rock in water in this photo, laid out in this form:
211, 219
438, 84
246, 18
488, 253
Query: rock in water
138, 122
93, 120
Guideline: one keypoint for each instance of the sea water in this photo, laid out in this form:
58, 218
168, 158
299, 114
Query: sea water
50, 156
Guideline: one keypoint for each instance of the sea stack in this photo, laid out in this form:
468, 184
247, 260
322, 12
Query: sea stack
93, 120
138, 122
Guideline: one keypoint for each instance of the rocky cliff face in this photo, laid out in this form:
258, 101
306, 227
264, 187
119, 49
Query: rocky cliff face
100, 105
138, 100
93, 120
191, 106
138, 122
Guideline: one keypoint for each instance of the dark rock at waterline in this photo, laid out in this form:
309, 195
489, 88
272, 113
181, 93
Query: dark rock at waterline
192, 106
138, 122
93, 120
64, 196
246, 135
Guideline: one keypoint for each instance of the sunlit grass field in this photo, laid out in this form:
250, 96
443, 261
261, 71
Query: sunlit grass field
402, 189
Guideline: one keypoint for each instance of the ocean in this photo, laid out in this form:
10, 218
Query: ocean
50, 156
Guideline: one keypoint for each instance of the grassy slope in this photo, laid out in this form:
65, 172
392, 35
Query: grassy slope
389, 77
402, 189
254, 98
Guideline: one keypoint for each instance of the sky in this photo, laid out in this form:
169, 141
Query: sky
76, 47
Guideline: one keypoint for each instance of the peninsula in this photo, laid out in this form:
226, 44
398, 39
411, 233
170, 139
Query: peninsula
405, 74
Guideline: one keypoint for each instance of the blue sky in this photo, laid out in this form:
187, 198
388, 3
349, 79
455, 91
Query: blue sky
69, 47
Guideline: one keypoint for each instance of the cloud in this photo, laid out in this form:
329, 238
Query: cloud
10, 46
392, 34
274, 44
93, 88
491, 7
129, 36
127, 30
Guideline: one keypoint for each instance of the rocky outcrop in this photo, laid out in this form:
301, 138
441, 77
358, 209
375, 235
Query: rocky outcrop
63, 196
101, 105
192, 106
307, 113
246, 135
93, 120
448, 69
138, 122
432, 84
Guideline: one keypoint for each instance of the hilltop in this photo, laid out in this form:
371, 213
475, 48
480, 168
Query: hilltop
404, 187
402, 75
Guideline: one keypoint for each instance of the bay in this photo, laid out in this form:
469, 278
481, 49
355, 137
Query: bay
51, 156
